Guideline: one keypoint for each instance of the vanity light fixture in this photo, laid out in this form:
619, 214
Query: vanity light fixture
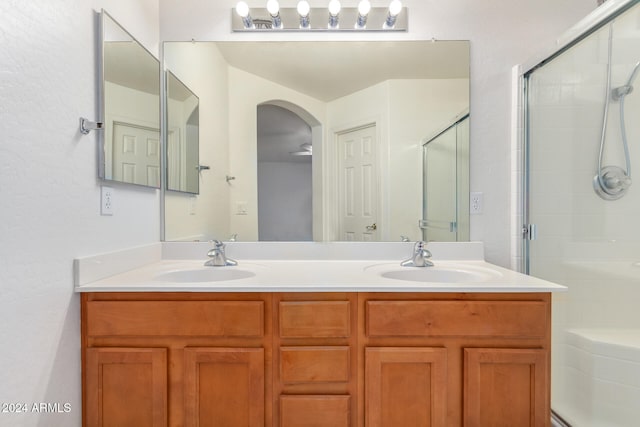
274, 10
242, 9
303, 9
394, 10
360, 18
334, 11
364, 7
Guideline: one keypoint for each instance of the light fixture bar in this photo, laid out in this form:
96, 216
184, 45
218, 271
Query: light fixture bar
319, 20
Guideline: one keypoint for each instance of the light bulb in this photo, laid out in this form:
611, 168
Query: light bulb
363, 11
334, 10
303, 11
334, 7
242, 9
273, 7
303, 8
274, 10
364, 7
395, 7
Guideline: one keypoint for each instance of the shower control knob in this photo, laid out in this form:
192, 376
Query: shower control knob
611, 183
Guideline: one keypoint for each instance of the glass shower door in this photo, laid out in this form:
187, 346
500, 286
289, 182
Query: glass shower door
446, 185
591, 244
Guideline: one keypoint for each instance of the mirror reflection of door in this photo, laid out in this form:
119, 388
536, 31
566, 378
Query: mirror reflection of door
136, 154
358, 185
446, 184
284, 175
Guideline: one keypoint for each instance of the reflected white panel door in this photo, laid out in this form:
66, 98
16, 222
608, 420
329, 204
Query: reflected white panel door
359, 185
136, 154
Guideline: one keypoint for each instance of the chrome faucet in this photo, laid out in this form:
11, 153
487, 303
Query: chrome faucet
217, 257
420, 256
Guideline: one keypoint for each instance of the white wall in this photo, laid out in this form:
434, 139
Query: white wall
502, 34
201, 67
246, 92
50, 196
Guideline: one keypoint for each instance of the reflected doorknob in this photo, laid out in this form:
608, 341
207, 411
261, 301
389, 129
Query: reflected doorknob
372, 227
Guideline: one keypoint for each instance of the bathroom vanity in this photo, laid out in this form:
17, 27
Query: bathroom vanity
367, 349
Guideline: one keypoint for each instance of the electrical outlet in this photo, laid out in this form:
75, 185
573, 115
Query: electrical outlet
192, 205
106, 201
241, 208
475, 203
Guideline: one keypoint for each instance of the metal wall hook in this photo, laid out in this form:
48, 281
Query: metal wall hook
87, 126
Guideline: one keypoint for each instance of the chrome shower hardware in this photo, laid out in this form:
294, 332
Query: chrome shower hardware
612, 182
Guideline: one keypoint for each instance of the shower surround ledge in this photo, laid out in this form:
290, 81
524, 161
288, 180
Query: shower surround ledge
298, 267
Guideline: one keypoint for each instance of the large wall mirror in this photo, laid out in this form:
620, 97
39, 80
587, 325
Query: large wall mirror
183, 133
314, 140
130, 146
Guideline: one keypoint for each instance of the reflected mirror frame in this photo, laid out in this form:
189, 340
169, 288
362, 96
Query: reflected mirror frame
165, 170
103, 16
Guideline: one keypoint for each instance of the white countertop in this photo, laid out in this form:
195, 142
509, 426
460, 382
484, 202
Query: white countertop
149, 269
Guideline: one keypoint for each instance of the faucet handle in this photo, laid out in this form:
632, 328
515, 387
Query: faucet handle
421, 246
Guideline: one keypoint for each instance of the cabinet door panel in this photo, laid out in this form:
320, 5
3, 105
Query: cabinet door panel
405, 386
224, 387
314, 411
506, 387
126, 387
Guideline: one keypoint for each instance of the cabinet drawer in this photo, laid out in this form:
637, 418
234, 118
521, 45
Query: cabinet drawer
457, 318
315, 411
175, 318
314, 319
314, 364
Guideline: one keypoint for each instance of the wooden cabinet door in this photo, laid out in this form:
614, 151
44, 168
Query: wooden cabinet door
506, 387
405, 386
224, 387
126, 387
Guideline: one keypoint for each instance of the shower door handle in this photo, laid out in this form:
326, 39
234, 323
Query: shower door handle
530, 231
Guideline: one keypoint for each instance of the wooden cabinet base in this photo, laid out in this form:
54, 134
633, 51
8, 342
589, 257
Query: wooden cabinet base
315, 359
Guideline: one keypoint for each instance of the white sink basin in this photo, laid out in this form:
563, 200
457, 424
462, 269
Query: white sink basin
437, 274
205, 274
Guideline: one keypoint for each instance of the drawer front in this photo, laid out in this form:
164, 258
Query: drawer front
315, 411
457, 318
314, 319
175, 318
314, 364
